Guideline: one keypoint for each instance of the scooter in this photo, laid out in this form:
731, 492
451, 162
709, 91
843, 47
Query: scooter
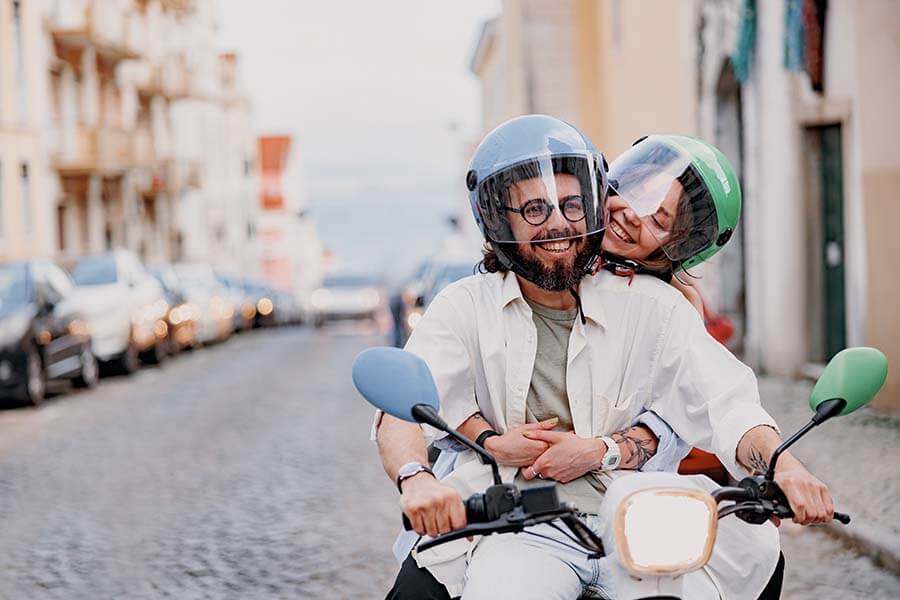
642, 507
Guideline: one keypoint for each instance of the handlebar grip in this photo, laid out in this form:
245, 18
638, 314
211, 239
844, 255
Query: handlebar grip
406, 524
842, 517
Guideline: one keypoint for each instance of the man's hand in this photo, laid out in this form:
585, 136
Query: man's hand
809, 498
568, 457
515, 449
433, 508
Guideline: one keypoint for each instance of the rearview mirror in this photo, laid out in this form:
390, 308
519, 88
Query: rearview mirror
854, 375
395, 381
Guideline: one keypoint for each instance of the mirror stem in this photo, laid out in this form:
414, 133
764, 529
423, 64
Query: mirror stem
824, 411
424, 413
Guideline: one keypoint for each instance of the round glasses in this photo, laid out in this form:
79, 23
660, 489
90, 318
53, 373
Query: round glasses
537, 211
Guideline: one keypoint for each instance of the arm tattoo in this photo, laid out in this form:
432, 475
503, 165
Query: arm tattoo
639, 446
756, 462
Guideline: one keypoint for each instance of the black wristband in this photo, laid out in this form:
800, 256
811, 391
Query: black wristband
401, 478
482, 438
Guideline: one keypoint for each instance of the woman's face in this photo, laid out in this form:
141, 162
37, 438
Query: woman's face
630, 236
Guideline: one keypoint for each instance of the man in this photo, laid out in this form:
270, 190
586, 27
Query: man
534, 338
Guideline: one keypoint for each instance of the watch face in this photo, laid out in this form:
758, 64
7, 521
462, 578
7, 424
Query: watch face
409, 469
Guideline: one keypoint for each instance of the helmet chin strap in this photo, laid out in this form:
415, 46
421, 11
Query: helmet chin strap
625, 267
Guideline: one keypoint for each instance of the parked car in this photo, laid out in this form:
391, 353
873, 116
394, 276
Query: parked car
422, 291
215, 311
182, 317
263, 297
242, 301
347, 296
126, 310
43, 333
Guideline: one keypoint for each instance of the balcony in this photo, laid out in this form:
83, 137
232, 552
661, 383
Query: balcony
143, 152
91, 150
169, 77
100, 24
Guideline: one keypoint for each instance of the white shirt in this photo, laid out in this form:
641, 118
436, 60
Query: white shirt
643, 347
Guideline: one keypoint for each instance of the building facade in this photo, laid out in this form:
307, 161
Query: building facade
123, 126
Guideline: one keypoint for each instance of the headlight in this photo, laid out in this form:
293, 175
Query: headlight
665, 531
265, 306
412, 319
77, 327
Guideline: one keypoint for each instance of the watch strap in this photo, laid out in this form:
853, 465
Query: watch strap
613, 455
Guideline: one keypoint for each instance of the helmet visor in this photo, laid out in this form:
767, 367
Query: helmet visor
659, 183
554, 197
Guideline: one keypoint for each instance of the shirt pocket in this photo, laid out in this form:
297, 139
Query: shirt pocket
620, 414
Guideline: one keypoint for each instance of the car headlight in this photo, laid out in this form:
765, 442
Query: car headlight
265, 306
412, 319
665, 531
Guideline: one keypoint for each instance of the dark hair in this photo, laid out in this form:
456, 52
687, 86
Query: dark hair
490, 262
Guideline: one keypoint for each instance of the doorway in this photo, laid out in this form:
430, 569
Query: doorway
826, 292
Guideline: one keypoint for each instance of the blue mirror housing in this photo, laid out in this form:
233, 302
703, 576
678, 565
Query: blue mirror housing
394, 381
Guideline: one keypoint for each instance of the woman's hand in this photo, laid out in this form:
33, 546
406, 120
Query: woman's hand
514, 449
568, 457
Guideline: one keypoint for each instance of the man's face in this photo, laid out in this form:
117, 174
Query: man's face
559, 262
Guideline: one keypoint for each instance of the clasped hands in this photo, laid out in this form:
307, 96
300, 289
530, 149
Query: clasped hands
541, 452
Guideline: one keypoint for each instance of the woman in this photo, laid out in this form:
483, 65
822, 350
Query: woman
674, 202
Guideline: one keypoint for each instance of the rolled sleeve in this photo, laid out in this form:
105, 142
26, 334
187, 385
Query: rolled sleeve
706, 395
731, 428
670, 449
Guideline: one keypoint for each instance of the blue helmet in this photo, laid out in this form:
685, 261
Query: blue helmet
536, 180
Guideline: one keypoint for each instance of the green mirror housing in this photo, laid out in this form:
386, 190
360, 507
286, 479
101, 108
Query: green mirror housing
854, 374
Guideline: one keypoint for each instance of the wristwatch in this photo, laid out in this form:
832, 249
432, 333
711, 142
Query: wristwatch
408, 470
612, 457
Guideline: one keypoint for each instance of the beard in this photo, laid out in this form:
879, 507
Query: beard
558, 275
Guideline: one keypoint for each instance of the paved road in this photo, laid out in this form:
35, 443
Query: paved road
240, 471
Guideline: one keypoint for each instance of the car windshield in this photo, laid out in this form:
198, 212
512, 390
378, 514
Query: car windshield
95, 270
13, 284
338, 281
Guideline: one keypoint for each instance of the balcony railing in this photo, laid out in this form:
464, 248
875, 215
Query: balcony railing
87, 150
101, 24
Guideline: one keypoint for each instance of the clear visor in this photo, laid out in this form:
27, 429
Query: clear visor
544, 198
659, 184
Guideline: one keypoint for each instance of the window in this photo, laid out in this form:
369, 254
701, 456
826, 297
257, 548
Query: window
19, 63
26, 199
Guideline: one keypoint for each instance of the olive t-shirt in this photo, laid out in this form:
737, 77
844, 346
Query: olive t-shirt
547, 398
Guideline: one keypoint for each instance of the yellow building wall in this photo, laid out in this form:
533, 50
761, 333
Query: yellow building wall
639, 70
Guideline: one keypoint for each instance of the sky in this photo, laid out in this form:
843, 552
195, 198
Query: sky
374, 92
378, 96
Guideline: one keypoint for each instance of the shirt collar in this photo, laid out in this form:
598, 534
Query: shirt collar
588, 291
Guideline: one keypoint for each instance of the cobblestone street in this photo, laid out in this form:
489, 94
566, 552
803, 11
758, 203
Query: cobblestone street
242, 471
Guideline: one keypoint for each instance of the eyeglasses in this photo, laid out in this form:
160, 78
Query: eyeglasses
537, 211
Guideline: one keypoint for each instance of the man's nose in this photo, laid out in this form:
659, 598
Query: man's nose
556, 219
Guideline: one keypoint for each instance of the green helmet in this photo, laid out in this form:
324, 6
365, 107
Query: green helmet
684, 190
